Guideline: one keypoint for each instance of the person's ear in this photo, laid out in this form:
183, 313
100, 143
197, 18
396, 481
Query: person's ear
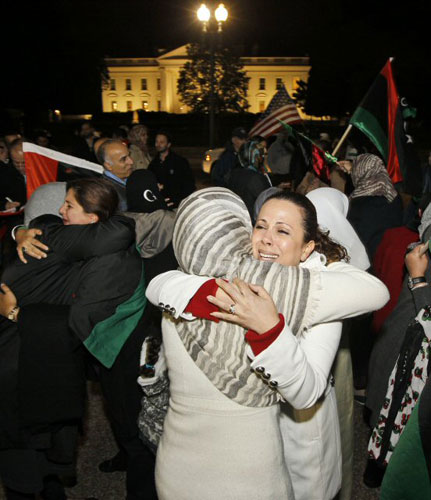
107, 166
94, 218
307, 250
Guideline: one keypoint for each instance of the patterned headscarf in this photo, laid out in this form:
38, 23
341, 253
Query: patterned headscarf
370, 178
212, 238
136, 136
252, 155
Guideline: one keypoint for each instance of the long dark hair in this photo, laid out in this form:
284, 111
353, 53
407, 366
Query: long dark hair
333, 251
96, 196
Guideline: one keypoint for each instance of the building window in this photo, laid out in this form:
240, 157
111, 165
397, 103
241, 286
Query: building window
145, 105
262, 83
129, 105
158, 84
114, 106
159, 105
144, 84
128, 84
112, 85
278, 83
261, 106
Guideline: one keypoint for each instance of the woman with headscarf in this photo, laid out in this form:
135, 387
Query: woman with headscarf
210, 237
249, 180
375, 206
138, 146
374, 203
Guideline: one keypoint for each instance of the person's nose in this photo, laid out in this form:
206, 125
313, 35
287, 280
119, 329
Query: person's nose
267, 237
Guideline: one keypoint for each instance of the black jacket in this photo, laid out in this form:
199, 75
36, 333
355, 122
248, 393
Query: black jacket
176, 176
94, 269
12, 185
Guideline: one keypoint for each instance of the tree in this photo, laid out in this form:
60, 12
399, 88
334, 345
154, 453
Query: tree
230, 88
300, 95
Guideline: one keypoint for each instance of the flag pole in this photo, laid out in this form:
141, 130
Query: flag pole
343, 138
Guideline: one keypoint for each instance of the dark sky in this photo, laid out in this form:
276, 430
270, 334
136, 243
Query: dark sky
52, 48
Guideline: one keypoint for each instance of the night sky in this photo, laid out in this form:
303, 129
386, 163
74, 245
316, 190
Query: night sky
52, 48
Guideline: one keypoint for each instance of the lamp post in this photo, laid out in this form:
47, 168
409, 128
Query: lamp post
212, 26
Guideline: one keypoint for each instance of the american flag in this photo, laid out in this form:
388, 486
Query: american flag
282, 108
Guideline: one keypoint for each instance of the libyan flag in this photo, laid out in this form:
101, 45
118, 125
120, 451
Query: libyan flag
314, 159
43, 165
379, 116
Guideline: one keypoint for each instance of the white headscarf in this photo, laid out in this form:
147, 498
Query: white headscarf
331, 207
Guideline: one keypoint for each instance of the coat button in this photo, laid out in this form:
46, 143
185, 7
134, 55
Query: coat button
266, 375
273, 383
172, 310
260, 369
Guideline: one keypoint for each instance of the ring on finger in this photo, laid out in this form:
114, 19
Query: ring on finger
24, 249
232, 309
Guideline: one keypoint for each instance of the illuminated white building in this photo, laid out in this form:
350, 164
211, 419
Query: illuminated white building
151, 83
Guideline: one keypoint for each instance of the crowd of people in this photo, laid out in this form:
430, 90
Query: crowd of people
230, 328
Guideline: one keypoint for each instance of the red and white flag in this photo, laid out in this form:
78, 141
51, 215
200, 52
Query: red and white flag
42, 165
281, 108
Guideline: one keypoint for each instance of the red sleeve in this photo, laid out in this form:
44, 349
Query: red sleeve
199, 305
259, 343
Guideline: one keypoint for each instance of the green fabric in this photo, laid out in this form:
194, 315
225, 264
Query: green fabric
407, 475
367, 123
108, 336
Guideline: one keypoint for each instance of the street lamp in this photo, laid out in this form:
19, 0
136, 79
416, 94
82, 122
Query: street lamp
212, 28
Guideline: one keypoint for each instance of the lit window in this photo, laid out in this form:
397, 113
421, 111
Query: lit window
144, 84
129, 105
145, 105
278, 83
128, 84
114, 106
262, 83
158, 84
261, 106
112, 85
159, 105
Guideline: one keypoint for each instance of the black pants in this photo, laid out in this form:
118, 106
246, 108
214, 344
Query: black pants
123, 397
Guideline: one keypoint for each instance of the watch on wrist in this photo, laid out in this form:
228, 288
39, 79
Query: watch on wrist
412, 282
13, 314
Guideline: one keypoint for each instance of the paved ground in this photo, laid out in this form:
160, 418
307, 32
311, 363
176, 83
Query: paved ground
98, 444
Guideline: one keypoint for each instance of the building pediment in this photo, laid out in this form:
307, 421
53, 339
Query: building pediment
178, 53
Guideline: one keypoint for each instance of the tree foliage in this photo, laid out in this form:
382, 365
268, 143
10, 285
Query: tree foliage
300, 95
230, 88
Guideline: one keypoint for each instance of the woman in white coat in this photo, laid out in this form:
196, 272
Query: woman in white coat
303, 383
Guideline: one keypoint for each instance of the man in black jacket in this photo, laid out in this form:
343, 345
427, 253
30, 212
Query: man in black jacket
173, 171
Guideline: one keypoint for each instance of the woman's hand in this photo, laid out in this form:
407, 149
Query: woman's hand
345, 166
7, 300
28, 244
253, 307
417, 261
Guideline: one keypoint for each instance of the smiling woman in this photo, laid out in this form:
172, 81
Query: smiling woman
210, 406
287, 232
